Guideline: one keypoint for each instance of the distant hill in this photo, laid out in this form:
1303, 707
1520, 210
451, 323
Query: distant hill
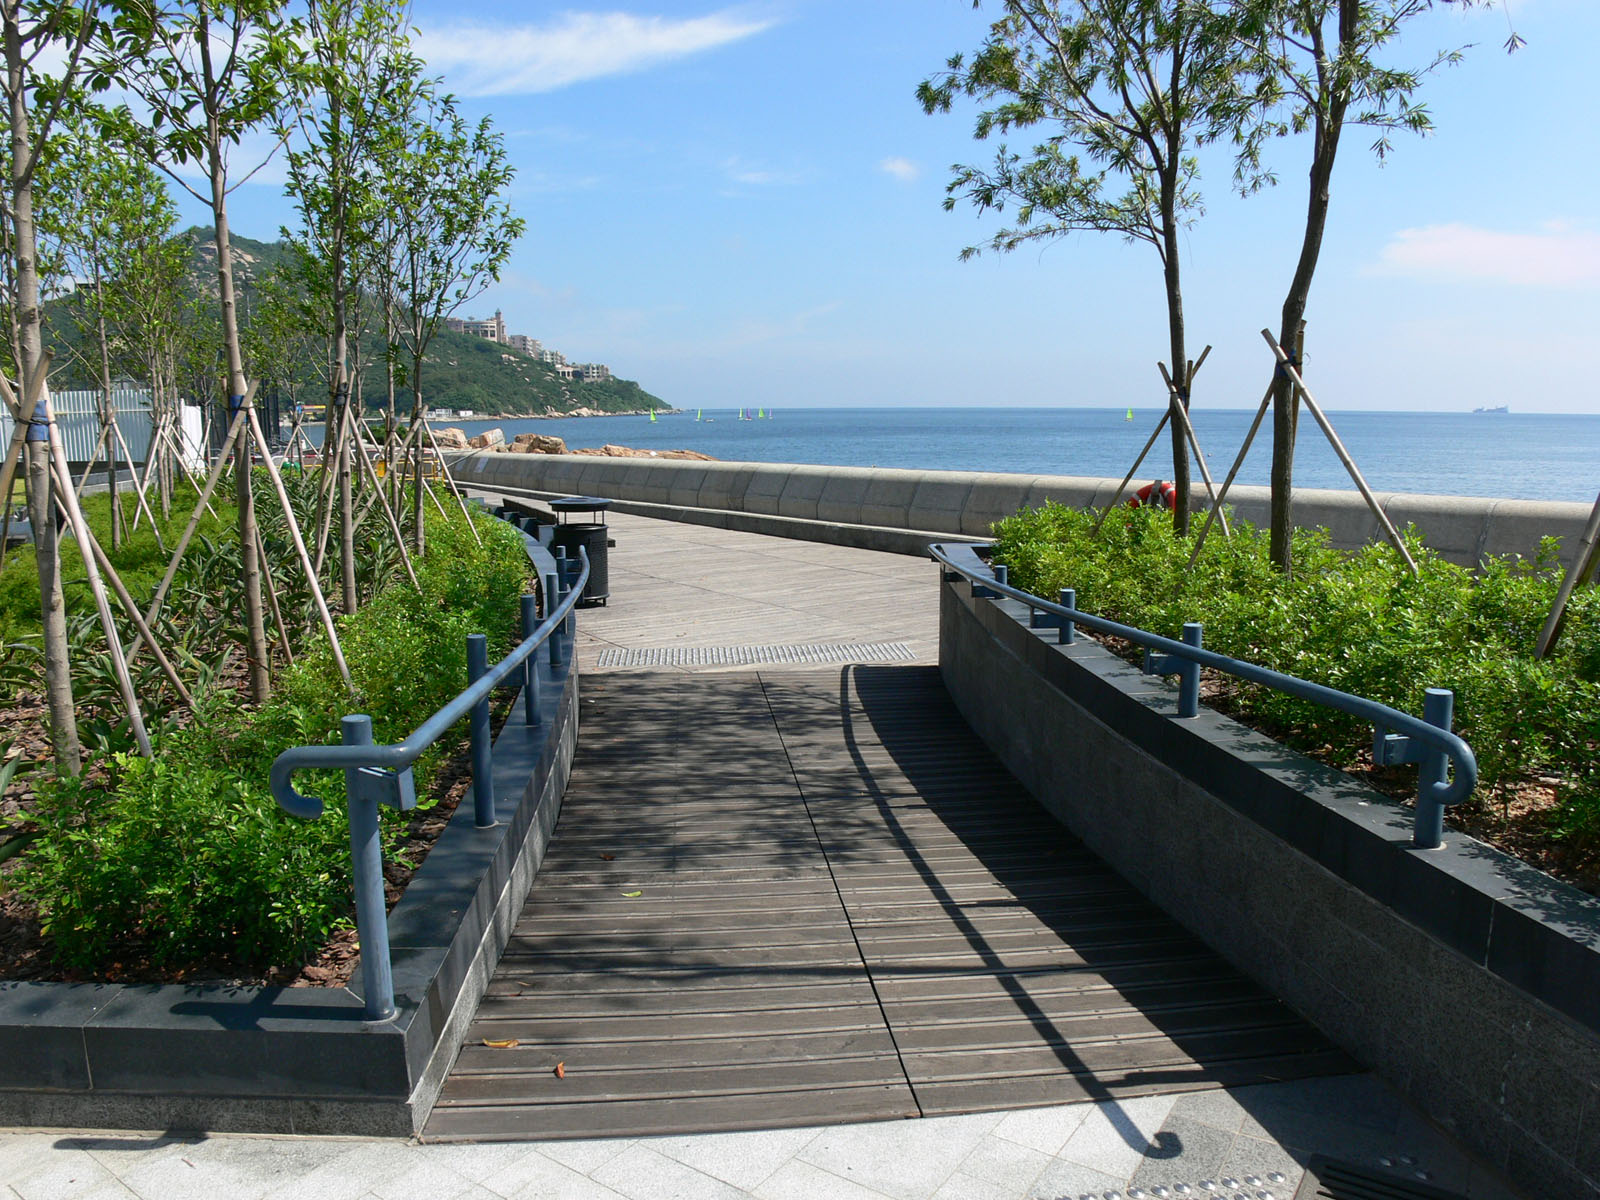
460, 372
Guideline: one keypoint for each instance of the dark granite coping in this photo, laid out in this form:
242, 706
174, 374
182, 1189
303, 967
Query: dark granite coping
1532, 930
150, 1048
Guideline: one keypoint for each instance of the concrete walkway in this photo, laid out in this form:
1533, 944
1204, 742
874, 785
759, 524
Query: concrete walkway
680, 588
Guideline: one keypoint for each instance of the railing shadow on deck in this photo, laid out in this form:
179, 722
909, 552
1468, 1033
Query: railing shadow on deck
876, 697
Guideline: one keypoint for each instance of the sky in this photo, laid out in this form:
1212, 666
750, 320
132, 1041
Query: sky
742, 205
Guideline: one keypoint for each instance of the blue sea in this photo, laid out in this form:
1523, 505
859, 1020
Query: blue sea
1524, 456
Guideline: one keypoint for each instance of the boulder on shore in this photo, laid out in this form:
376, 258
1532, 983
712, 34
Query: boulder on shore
451, 438
538, 443
612, 451
489, 439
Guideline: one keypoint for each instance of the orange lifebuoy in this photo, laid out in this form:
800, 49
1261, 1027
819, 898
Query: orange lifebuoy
1160, 492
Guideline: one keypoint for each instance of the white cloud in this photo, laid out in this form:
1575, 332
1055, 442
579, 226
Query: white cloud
1556, 256
757, 175
484, 60
902, 169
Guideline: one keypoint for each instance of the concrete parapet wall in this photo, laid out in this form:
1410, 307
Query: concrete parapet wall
963, 503
1467, 979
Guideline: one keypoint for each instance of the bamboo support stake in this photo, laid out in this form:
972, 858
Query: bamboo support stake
1338, 448
272, 598
1123, 486
194, 518
1583, 563
142, 504
91, 571
94, 457
1227, 484
21, 415
131, 607
300, 548
444, 469
377, 491
1193, 438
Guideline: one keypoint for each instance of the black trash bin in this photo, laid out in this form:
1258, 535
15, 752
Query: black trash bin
593, 537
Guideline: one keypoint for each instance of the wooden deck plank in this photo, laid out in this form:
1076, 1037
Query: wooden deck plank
847, 910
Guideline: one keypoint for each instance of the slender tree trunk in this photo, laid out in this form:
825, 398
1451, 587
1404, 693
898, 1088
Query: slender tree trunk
1285, 401
1180, 373
30, 363
258, 653
417, 538
108, 417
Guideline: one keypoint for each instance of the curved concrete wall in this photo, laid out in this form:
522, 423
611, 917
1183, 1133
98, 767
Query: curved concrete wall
1462, 529
1467, 979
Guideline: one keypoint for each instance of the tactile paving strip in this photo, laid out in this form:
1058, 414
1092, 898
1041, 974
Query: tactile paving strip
747, 656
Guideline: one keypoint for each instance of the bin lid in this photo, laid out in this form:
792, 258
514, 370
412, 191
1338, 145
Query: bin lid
581, 504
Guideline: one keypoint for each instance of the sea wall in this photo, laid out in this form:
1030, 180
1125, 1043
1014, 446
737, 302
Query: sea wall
1470, 981
894, 509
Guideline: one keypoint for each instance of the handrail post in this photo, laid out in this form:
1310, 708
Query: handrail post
1428, 834
551, 601
366, 856
1189, 674
1069, 629
530, 665
1002, 574
482, 769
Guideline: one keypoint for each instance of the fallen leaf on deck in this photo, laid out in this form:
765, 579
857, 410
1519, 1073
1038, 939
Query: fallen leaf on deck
561, 1070
501, 1044
608, 857
632, 895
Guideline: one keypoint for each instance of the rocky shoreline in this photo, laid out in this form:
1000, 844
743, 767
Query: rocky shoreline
451, 438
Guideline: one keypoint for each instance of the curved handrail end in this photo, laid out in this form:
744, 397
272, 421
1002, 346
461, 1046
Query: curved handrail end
292, 802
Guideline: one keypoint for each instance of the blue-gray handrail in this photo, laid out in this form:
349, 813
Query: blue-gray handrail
377, 774
1398, 737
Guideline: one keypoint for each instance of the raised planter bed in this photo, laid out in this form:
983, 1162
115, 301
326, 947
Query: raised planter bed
1466, 978
302, 1060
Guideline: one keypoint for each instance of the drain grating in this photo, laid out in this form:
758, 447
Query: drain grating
745, 656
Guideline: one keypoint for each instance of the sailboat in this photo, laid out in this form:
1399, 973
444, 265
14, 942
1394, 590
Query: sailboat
761, 414
652, 412
1129, 417
699, 414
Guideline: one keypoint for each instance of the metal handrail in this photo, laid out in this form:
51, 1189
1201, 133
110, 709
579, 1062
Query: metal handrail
381, 774
1398, 737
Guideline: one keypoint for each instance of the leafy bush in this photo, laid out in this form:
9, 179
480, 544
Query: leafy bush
187, 858
1359, 622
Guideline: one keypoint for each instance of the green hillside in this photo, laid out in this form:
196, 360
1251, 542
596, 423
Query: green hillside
460, 372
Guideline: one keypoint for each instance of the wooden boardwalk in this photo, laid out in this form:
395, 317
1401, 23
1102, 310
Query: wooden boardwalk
786, 897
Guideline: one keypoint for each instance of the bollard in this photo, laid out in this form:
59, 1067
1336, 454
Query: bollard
482, 780
530, 665
1002, 574
1433, 768
1186, 669
550, 602
1189, 674
366, 854
1069, 629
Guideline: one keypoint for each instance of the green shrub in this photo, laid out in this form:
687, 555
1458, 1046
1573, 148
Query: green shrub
187, 858
1359, 622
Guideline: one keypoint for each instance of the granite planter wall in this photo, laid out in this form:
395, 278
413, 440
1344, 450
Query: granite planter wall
302, 1060
1467, 979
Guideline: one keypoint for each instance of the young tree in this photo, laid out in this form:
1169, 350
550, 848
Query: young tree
1124, 92
1319, 63
33, 102
453, 232
107, 205
210, 72
355, 46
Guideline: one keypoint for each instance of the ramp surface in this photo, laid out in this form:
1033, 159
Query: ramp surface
794, 897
